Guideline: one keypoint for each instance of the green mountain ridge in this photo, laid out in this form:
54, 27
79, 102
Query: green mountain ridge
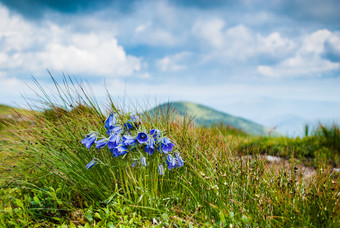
206, 116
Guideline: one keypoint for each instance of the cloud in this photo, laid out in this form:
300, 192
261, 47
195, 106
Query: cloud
154, 24
89, 54
143, 27
210, 30
308, 59
27, 47
203, 4
299, 67
239, 43
174, 62
331, 49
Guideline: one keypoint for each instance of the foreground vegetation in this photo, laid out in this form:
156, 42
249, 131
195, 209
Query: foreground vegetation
45, 183
321, 146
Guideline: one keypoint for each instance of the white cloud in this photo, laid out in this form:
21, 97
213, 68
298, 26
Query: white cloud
308, 59
155, 36
89, 54
266, 70
274, 43
174, 62
28, 48
300, 67
210, 30
314, 43
143, 27
239, 43
333, 44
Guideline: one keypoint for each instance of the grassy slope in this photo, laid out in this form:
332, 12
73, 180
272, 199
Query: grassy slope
8, 110
206, 116
215, 187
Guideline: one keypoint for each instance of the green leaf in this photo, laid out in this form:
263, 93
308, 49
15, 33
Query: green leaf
97, 215
36, 199
147, 223
19, 203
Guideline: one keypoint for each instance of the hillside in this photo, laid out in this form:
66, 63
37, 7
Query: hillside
8, 110
206, 116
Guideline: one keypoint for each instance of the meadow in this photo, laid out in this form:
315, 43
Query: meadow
224, 182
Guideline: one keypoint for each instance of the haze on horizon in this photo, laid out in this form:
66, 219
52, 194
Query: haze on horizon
276, 63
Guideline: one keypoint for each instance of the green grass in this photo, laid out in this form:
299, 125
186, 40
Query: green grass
45, 182
322, 145
7, 110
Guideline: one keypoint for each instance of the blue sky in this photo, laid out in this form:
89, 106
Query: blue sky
268, 61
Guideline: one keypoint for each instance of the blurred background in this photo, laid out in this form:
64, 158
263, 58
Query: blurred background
276, 63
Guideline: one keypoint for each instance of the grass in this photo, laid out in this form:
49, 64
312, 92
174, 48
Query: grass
45, 183
322, 145
8, 110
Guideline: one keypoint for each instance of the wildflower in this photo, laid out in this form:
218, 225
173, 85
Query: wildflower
89, 140
113, 141
133, 165
111, 121
179, 160
171, 161
161, 169
150, 146
142, 137
114, 152
155, 133
132, 123
128, 140
115, 129
101, 143
91, 163
122, 150
166, 145
143, 161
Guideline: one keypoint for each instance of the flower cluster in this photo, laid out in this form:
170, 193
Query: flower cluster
127, 138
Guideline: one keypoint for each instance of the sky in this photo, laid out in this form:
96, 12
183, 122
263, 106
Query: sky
274, 62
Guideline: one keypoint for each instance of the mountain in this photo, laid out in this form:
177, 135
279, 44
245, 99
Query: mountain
206, 116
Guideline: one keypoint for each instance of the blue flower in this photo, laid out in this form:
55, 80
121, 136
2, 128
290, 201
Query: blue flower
113, 141
143, 161
101, 143
119, 150
133, 165
91, 164
114, 152
122, 150
171, 161
89, 140
128, 125
155, 133
150, 146
110, 121
142, 137
161, 169
166, 145
179, 160
115, 129
132, 123
128, 140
